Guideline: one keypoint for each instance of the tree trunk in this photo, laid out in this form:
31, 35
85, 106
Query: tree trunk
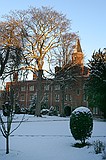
62, 104
83, 141
7, 144
39, 93
8, 131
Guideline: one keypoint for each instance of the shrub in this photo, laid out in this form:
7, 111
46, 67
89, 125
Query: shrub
104, 154
81, 123
53, 113
44, 111
67, 110
99, 146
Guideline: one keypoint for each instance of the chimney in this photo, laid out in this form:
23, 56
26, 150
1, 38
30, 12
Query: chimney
15, 76
57, 69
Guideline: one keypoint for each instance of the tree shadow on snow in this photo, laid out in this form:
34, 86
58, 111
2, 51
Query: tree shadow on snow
81, 145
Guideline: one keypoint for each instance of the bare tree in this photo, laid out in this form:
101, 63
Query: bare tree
11, 56
7, 116
63, 75
68, 41
43, 30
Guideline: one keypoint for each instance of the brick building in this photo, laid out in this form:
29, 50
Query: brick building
66, 89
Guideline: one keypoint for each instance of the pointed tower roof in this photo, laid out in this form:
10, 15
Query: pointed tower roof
77, 46
77, 55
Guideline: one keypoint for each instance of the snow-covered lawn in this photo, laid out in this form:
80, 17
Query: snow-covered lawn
49, 138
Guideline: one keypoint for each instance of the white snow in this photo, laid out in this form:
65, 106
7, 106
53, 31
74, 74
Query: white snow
82, 109
49, 138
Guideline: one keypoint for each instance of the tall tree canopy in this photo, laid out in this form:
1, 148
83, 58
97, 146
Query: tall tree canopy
42, 34
96, 86
42, 31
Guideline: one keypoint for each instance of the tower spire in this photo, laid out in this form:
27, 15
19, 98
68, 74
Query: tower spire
77, 46
77, 55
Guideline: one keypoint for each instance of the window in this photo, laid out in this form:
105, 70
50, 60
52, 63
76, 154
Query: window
66, 97
46, 87
22, 88
57, 87
31, 88
84, 97
57, 96
95, 110
78, 91
22, 98
70, 97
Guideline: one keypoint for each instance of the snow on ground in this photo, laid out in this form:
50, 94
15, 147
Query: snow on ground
49, 138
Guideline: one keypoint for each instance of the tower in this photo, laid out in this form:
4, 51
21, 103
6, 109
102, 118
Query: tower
77, 55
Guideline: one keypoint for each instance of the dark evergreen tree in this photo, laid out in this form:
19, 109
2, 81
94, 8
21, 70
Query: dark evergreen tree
96, 84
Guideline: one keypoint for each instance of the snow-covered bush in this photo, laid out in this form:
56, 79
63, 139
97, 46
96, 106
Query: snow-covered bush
99, 146
44, 111
52, 111
81, 124
104, 153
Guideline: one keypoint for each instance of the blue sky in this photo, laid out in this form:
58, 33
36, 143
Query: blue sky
88, 18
